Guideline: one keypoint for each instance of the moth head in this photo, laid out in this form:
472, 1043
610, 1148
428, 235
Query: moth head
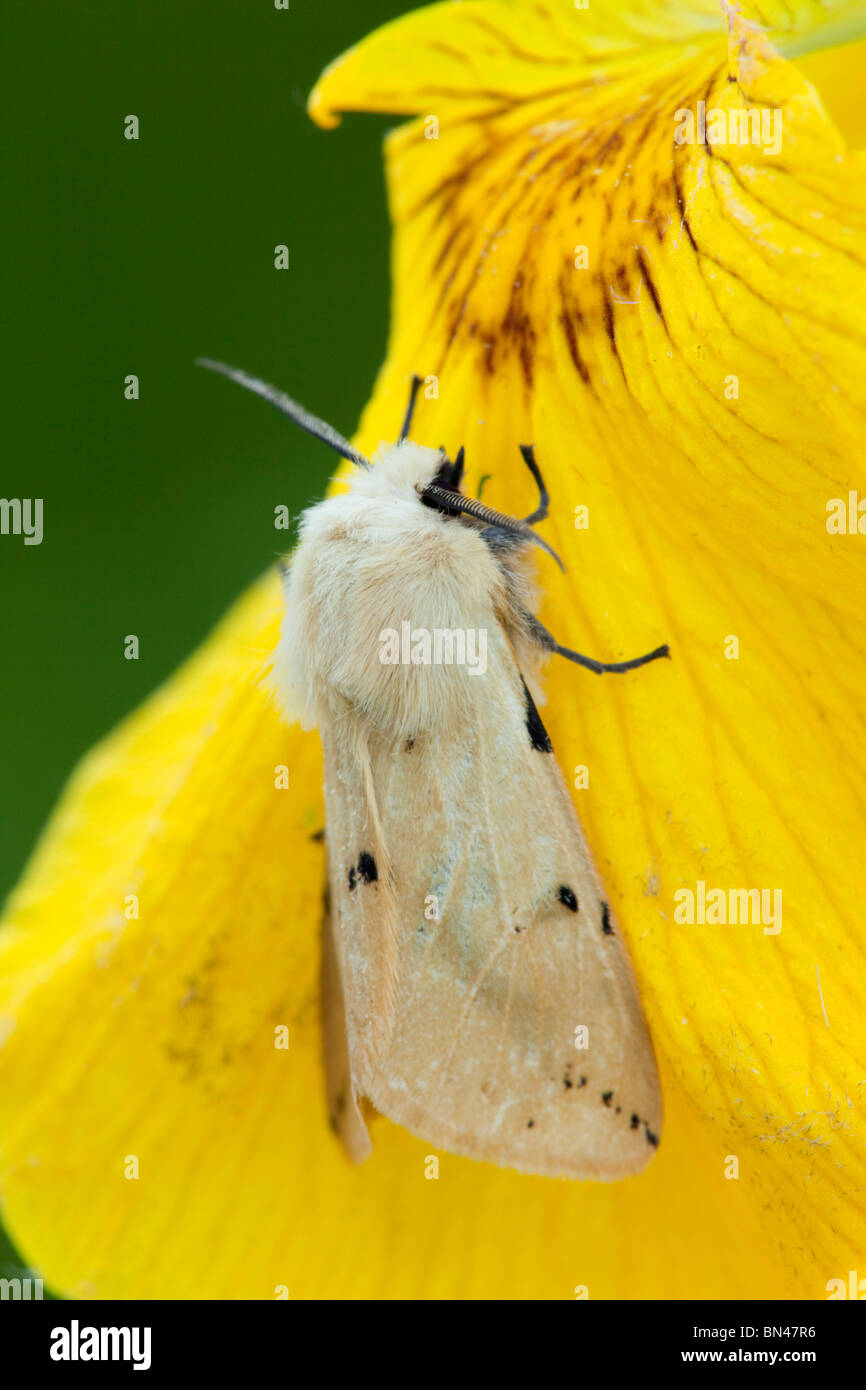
436, 479
413, 472
443, 493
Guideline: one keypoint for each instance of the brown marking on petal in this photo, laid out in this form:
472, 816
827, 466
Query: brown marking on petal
623, 282
681, 204
521, 193
608, 320
654, 294
556, 156
571, 339
517, 325
446, 245
612, 144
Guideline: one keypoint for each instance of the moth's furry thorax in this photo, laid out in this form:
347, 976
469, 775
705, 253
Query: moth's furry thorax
371, 559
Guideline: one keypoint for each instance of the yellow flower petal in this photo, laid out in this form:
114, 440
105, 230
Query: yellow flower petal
147, 960
838, 76
154, 1037
700, 389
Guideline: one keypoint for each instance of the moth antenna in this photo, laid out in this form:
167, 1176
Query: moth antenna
456, 504
319, 429
410, 409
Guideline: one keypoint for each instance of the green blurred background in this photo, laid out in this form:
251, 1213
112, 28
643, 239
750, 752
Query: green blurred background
135, 257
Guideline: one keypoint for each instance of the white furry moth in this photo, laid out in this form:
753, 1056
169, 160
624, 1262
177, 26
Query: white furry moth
470, 943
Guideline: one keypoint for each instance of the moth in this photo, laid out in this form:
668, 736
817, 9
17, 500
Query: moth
477, 988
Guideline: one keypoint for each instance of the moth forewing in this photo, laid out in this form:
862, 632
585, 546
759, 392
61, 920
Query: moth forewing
504, 1024
488, 997
344, 1107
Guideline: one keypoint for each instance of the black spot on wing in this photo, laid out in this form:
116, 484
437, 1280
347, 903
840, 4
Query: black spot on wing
367, 867
606, 924
607, 1097
352, 878
318, 835
568, 898
538, 736
651, 1137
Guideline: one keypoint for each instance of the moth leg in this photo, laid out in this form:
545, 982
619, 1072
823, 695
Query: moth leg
347, 1120
410, 408
457, 467
546, 640
528, 452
